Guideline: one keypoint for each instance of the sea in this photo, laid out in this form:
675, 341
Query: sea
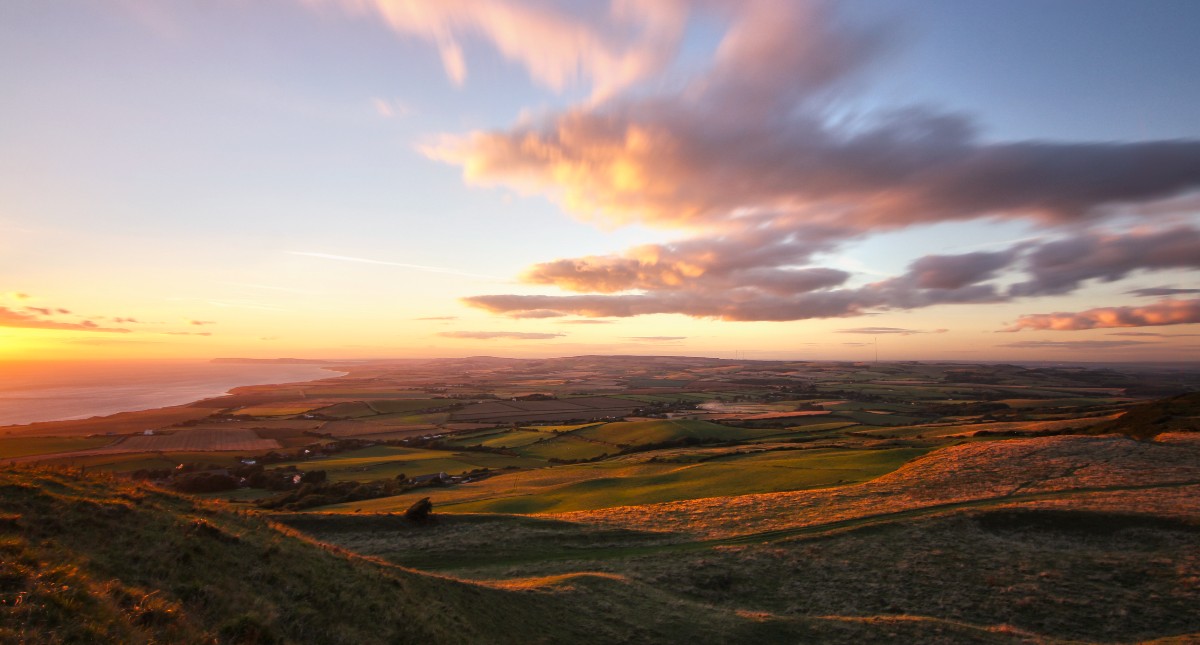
56, 391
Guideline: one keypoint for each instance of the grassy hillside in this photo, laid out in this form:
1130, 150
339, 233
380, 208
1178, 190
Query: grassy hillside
1176, 414
88, 560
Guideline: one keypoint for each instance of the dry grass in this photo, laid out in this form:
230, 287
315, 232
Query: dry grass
179, 440
959, 474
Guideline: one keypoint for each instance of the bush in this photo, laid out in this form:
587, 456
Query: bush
205, 483
420, 510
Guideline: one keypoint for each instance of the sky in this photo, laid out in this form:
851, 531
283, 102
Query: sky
777, 179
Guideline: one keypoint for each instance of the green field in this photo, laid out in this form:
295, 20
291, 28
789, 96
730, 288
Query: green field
567, 448
385, 462
127, 462
515, 439
622, 482
641, 433
560, 428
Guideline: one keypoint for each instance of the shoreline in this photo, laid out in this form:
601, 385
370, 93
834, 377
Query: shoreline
91, 403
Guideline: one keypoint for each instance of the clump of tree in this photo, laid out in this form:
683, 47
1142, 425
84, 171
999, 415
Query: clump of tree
323, 493
420, 510
320, 492
205, 482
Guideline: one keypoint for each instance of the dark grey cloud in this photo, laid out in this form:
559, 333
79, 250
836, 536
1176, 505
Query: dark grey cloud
957, 271
1061, 266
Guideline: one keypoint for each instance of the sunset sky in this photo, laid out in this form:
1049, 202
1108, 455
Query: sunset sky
952, 180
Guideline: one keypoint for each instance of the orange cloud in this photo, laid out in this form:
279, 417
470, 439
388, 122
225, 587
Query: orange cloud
10, 318
1164, 312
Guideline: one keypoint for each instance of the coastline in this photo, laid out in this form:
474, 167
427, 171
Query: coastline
141, 390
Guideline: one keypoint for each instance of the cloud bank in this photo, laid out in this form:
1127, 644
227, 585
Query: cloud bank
751, 160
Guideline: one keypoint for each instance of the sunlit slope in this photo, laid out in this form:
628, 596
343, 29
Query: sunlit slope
88, 560
1091, 472
642, 479
1176, 414
1050, 539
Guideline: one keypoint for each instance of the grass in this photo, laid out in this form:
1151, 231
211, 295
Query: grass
131, 461
278, 410
1072, 402
567, 448
178, 570
385, 462
514, 439
395, 406
348, 410
628, 482
875, 419
25, 446
560, 428
638, 433
173, 570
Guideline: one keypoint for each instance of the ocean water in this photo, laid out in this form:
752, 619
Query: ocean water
32, 392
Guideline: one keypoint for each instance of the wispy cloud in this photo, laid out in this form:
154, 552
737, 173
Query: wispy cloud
391, 108
112, 341
10, 318
437, 318
1075, 344
880, 331
488, 335
403, 265
654, 339
557, 44
1161, 291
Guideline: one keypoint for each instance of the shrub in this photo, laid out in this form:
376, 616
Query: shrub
420, 510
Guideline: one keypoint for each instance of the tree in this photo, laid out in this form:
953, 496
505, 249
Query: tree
420, 510
314, 477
